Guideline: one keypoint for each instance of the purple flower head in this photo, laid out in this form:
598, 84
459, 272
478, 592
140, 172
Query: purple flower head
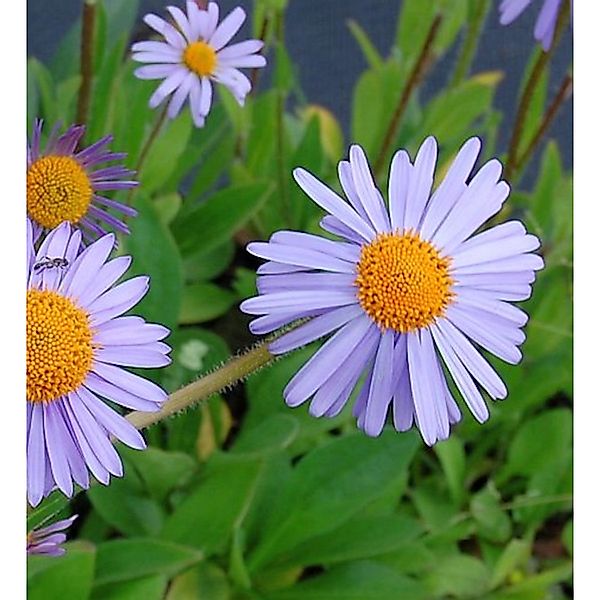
77, 343
48, 540
407, 288
194, 53
67, 184
546, 21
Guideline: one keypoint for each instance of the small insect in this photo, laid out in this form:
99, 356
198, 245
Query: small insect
49, 263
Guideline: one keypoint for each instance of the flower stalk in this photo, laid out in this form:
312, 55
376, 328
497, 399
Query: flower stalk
233, 371
413, 81
88, 24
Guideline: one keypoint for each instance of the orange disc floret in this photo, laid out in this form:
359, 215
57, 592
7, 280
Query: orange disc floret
403, 281
59, 345
58, 189
200, 58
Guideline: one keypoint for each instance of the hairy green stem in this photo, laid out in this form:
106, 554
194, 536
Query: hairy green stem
88, 24
528, 93
469, 46
232, 372
413, 81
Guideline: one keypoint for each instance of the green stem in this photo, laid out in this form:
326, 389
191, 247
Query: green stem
469, 46
413, 81
88, 21
564, 92
528, 93
232, 372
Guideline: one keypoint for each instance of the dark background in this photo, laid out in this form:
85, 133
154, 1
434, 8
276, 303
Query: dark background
329, 61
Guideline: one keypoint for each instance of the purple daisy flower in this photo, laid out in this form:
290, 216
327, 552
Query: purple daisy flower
64, 184
194, 53
48, 540
407, 289
546, 21
77, 343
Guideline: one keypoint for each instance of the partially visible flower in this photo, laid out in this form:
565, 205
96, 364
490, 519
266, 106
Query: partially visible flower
407, 289
76, 345
546, 21
67, 184
194, 53
48, 540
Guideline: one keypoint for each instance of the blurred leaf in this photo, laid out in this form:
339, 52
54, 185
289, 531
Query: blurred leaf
44, 87
492, 521
354, 581
536, 587
544, 442
204, 302
567, 537
124, 559
215, 506
204, 582
66, 98
332, 137
275, 433
451, 454
155, 254
49, 507
165, 152
205, 266
70, 576
213, 222
161, 471
433, 504
214, 427
167, 207
284, 69
148, 588
244, 283
331, 484
515, 555
123, 505
369, 51
460, 575
360, 537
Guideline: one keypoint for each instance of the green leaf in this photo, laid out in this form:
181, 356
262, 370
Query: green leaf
451, 454
216, 505
275, 433
210, 224
492, 521
204, 582
567, 537
369, 51
49, 508
330, 485
359, 538
515, 556
121, 560
155, 254
148, 588
165, 153
70, 576
355, 581
208, 265
167, 207
460, 575
244, 283
44, 86
543, 442
161, 471
204, 302
122, 505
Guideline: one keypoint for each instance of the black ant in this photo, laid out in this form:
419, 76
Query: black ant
49, 263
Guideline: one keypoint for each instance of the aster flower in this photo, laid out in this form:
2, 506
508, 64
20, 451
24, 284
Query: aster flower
546, 21
407, 289
66, 184
77, 343
48, 540
195, 53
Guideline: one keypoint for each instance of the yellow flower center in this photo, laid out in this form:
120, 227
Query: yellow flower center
200, 58
58, 189
59, 346
403, 282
